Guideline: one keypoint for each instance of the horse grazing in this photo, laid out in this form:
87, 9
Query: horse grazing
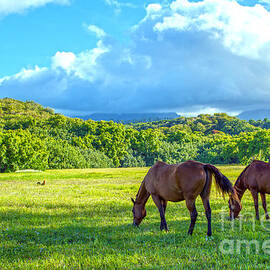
178, 182
256, 178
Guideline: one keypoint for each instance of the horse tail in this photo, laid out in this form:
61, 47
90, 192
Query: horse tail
208, 182
222, 182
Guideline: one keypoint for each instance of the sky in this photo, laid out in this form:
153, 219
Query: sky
118, 56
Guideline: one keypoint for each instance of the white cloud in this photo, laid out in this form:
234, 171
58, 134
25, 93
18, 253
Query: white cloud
97, 30
176, 21
25, 74
264, 1
64, 60
204, 110
19, 6
119, 5
153, 8
184, 57
84, 65
242, 29
153, 11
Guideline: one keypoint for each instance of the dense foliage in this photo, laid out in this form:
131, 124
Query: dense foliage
35, 137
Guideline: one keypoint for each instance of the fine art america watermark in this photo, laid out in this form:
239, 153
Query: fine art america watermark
244, 246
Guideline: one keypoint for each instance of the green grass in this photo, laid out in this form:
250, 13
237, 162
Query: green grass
81, 219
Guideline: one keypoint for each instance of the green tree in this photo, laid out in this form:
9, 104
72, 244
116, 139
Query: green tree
22, 150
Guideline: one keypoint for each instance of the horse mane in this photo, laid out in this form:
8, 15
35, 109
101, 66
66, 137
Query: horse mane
142, 194
141, 188
243, 172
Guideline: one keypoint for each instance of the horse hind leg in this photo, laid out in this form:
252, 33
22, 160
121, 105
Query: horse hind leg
254, 194
207, 208
264, 205
164, 205
205, 199
193, 214
162, 209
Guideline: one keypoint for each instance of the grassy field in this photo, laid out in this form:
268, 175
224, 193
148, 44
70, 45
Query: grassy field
81, 219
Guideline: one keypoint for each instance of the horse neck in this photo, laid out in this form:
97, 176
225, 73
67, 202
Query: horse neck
240, 188
142, 195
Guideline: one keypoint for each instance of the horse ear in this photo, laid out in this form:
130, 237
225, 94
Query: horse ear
132, 200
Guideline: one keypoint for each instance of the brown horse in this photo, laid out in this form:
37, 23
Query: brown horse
256, 178
178, 182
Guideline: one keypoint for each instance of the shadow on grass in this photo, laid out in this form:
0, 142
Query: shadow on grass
38, 235
29, 240
32, 243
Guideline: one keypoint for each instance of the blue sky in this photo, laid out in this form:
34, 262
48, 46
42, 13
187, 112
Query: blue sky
82, 56
30, 38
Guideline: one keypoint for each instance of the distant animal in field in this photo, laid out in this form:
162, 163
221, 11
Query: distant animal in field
256, 178
41, 183
178, 182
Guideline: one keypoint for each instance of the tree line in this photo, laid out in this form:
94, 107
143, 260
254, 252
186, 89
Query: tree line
35, 137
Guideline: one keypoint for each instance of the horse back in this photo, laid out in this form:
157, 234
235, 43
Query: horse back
176, 182
257, 176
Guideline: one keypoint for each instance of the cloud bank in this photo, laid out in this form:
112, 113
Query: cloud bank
184, 57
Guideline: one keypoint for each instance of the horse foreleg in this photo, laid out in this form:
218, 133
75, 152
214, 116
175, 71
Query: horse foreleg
254, 194
193, 214
264, 205
207, 208
160, 206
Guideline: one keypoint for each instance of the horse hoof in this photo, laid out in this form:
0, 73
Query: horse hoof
209, 238
163, 227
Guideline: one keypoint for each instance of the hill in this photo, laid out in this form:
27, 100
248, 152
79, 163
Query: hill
34, 137
129, 117
12, 107
254, 115
205, 123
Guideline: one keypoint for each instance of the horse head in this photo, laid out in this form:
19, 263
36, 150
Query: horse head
139, 212
234, 206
